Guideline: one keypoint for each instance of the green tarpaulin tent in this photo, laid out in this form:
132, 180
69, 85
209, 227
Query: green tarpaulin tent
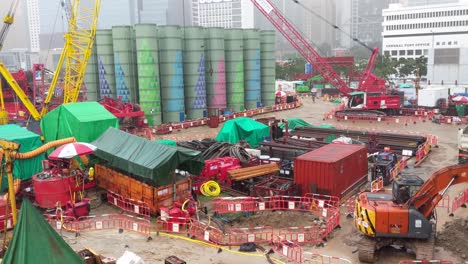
148, 161
22, 169
243, 128
85, 121
294, 123
36, 242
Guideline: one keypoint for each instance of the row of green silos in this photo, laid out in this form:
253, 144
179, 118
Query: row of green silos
178, 73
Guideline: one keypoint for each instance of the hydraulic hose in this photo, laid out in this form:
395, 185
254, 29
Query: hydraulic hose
210, 188
39, 150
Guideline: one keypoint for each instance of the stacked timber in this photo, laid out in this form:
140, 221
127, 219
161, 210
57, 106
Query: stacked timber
254, 171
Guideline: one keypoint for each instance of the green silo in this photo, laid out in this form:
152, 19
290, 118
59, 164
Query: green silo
194, 72
91, 78
172, 73
125, 63
215, 68
268, 66
105, 59
252, 68
149, 88
233, 44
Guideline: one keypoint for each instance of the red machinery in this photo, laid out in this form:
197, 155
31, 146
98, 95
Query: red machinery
58, 186
404, 217
374, 94
132, 118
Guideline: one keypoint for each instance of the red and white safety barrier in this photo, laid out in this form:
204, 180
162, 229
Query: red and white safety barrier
259, 234
179, 225
287, 249
129, 205
459, 201
100, 222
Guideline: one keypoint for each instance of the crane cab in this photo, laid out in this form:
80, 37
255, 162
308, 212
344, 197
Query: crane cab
405, 187
357, 100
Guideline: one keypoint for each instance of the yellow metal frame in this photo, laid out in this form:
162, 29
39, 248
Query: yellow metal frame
79, 42
19, 92
78, 46
8, 147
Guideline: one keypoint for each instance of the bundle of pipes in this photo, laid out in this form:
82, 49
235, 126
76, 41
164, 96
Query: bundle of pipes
395, 141
211, 149
254, 171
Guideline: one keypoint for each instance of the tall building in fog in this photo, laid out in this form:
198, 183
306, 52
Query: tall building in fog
316, 26
179, 12
436, 31
226, 13
366, 20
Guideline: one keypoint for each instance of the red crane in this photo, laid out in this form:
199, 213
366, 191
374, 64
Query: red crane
371, 93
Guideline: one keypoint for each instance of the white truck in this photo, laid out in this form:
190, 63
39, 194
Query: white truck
463, 145
434, 97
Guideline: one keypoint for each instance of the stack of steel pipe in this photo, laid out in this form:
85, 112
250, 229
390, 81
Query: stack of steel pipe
254, 171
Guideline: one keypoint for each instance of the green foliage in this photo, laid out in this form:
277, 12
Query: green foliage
290, 68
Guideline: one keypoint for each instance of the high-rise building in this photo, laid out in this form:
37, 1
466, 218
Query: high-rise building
34, 24
223, 13
153, 11
437, 32
179, 12
366, 20
317, 28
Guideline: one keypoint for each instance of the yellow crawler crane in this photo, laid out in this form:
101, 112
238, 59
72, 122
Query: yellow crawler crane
79, 42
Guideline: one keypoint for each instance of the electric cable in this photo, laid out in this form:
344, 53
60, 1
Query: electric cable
210, 188
333, 25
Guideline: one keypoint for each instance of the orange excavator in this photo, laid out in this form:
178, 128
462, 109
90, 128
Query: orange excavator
406, 216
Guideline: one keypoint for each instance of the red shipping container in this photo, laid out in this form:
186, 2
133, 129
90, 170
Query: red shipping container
332, 169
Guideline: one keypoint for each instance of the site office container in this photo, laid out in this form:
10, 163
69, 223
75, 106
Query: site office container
155, 197
333, 169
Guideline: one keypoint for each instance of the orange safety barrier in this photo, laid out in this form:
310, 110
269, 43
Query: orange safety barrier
259, 234
305, 234
100, 222
286, 248
425, 261
129, 205
350, 204
324, 199
179, 225
377, 184
323, 259
459, 201
208, 233
444, 203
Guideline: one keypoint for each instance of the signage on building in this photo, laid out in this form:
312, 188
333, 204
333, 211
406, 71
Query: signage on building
407, 45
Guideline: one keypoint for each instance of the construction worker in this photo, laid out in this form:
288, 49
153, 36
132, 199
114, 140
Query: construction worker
313, 93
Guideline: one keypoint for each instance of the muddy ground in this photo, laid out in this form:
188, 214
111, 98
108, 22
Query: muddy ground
341, 243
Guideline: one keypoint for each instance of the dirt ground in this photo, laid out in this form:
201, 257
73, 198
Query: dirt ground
342, 242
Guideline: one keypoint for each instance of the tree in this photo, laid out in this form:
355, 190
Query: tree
407, 67
291, 67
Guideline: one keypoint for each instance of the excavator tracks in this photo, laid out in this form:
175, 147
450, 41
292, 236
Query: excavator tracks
366, 250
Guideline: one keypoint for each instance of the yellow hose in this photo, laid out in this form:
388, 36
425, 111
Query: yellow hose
39, 150
210, 188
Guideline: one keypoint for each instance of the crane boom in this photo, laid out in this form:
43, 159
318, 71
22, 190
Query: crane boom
79, 41
429, 195
271, 12
7, 21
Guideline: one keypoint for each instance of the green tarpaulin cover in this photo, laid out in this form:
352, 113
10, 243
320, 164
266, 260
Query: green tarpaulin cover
316, 78
22, 169
167, 142
36, 242
293, 123
243, 128
148, 161
85, 121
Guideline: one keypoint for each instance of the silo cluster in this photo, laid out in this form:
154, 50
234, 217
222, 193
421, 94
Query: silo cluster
180, 73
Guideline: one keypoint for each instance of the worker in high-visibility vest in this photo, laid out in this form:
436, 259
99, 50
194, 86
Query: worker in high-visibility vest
91, 174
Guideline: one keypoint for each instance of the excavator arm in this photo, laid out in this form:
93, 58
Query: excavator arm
432, 191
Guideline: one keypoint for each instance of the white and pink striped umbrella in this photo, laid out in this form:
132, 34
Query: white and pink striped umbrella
71, 150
